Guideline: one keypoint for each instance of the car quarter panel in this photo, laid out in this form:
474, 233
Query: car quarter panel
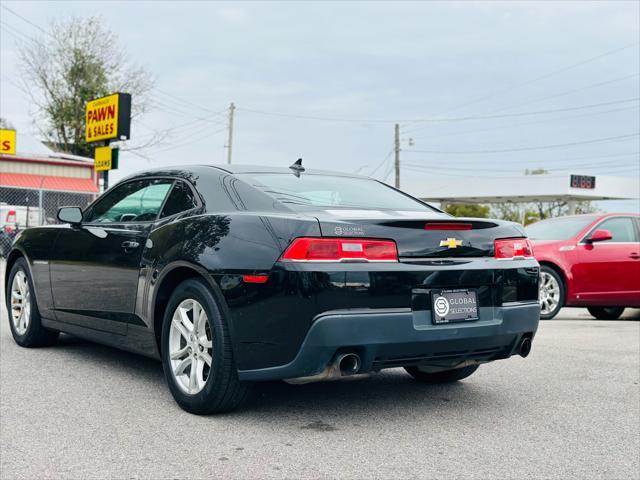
225, 247
562, 255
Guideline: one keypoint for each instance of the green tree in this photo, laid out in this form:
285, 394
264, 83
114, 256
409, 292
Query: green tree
77, 61
515, 212
468, 210
527, 213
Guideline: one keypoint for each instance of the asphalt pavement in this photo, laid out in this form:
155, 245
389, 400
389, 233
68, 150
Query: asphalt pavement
570, 410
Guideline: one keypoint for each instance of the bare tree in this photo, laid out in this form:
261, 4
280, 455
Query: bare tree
77, 61
6, 124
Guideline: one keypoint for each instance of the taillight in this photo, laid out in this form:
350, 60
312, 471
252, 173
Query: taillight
259, 278
309, 249
448, 226
513, 248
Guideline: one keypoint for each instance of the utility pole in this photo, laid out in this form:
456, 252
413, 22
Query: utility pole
232, 107
397, 151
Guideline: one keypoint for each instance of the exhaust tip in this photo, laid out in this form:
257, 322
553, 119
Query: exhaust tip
349, 364
525, 347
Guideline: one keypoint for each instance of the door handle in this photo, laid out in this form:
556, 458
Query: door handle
634, 255
130, 245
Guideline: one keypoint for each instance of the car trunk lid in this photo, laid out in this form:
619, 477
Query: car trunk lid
418, 235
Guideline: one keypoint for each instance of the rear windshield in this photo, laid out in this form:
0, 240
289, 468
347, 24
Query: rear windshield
558, 229
311, 191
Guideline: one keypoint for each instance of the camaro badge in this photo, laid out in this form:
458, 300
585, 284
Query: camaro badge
451, 243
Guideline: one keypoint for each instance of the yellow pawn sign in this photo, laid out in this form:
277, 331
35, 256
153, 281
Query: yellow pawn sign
8, 142
103, 158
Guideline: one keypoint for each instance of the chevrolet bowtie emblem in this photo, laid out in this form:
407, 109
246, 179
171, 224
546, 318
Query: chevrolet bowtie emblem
451, 243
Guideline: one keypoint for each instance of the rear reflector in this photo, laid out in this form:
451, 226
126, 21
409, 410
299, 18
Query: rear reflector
513, 248
448, 226
255, 278
310, 249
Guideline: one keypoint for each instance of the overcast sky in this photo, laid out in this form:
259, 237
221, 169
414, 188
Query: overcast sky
547, 74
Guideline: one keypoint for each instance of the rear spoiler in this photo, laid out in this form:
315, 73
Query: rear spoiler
450, 225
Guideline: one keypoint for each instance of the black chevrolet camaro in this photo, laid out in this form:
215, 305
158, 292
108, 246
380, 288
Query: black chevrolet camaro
238, 274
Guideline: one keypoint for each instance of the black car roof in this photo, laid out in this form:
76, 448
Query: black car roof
263, 169
186, 171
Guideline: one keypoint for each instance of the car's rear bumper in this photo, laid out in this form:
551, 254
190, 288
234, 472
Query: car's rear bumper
402, 337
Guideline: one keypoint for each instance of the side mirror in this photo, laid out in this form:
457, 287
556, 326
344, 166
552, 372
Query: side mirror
72, 215
600, 236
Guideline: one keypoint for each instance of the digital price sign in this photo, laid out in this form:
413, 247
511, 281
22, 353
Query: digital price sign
583, 181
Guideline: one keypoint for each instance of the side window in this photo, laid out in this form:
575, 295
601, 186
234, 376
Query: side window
180, 199
622, 229
138, 201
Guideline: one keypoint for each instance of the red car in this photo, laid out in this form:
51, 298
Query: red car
590, 261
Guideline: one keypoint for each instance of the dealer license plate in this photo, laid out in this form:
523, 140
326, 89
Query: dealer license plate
448, 306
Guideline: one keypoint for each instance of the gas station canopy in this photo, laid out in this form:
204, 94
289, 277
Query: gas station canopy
527, 188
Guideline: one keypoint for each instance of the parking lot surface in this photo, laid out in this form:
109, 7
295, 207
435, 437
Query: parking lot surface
571, 409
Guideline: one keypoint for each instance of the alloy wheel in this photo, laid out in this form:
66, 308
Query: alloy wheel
20, 303
549, 295
190, 346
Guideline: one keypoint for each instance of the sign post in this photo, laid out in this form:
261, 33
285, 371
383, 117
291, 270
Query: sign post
107, 118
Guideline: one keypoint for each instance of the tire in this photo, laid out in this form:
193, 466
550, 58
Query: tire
24, 316
206, 341
552, 297
606, 313
446, 376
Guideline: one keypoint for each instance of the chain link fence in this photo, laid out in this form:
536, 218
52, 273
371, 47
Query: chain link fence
23, 208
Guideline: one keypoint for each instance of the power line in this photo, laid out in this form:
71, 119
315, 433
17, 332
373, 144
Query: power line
522, 114
598, 166
313, 117
170, 130
187, 102
478, 162
568, 92
182, 110
601, 157
26, 20
190, 142
442, 119
198, 130
542, 77
381, 163
163, 107
389, 171
502, 170
521, 149
14, 32
522, 124
492, 176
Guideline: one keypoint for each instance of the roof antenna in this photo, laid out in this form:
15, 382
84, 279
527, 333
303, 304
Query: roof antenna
297, 167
